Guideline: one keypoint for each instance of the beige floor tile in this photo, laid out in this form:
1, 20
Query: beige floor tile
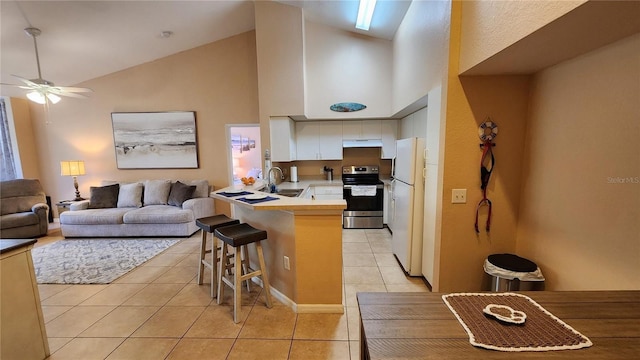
165, 259
74, 295
412, 287
193, 295
320, 350
87, 349
178, 275
121, 322
76, 320
351, 291
356, 259
154, 295
354, 349
217, 322
321, 327
248, 298
114, 294
51, 312
275, 323
143, 349
353, 322
393, 275
362, 275
187, 246
169, 321
201, 349
256, 349
354, 235
143, 275
190, 260
356, 247
56, 343
380, 246
48, 290
386, 259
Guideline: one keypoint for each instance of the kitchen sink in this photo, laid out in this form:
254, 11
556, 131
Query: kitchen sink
287, 192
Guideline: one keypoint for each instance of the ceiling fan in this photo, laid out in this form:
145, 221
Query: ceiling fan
43, 91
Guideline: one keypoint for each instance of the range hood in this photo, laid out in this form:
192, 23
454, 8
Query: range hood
362, 143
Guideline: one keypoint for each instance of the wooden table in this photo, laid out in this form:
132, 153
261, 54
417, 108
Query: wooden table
421, 326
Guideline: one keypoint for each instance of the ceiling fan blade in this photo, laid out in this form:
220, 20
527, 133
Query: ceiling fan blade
68, 94
26, 81
73, 89
20, 86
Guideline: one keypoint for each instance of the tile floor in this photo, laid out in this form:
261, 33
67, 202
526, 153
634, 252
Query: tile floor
157, 311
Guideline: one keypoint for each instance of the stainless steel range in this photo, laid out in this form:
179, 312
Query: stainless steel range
364, 194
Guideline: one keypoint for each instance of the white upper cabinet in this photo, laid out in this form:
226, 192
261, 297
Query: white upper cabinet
361, 129
283, 139
389, 134
319, 140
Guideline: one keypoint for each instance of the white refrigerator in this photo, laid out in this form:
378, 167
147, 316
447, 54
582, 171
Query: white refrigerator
407, 190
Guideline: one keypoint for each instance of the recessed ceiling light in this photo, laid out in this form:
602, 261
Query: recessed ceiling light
166, 34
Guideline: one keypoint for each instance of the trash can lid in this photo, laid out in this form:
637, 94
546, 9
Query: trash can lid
512, 262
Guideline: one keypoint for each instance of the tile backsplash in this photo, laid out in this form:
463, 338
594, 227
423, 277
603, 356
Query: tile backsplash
351, 156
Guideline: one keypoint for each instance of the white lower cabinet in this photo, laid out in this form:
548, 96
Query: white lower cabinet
329, 192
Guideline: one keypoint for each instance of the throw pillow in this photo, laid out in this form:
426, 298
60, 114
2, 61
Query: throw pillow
103, 196
180, 193
130, 195
156, 192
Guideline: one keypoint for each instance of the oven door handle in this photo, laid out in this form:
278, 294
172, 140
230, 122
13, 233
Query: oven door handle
378, 186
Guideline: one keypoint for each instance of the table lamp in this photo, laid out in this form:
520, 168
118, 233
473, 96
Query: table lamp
73, 168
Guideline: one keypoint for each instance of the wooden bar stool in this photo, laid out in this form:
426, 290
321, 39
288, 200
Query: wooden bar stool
239, 237
209, 225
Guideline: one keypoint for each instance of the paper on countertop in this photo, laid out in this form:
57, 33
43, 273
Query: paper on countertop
363, 190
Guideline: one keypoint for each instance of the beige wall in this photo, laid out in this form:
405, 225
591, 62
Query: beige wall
218, 81
469, 102
580, 208
490, 26
26, 142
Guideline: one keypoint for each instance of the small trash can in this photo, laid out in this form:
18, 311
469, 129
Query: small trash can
509, 272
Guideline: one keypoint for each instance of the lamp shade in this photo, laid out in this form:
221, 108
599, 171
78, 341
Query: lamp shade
72, 168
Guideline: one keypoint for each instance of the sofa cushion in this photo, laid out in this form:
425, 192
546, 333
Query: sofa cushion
158, 214
20, 195
19, 219
94, 216
202, 187
180, 193
104, 196
130, 195
156, 192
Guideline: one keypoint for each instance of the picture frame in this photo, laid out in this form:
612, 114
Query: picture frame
155, 140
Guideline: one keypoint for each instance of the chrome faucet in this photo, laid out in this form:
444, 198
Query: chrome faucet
269, 176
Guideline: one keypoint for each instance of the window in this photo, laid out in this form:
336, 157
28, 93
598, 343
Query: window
11, 168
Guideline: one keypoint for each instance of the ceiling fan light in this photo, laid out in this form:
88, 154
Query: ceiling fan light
53, 98
36, 97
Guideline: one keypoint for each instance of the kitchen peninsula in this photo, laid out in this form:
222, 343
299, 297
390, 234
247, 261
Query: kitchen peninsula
306, 231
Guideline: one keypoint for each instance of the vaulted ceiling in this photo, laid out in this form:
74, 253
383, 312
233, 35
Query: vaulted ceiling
82, 40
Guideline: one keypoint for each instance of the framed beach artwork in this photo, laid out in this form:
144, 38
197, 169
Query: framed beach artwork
155, 140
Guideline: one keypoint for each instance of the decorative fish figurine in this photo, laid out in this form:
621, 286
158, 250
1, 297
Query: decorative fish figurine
347, 107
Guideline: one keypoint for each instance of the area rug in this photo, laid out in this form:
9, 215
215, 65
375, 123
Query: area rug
93, 261
526, 326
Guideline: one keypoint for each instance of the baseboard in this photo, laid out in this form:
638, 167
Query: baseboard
303, 308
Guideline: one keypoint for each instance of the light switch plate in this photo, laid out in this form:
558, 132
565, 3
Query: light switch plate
459, 196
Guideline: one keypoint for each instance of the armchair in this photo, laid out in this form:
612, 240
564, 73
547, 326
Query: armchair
23, 209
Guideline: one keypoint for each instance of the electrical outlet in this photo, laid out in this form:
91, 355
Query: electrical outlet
287, 265
459, 196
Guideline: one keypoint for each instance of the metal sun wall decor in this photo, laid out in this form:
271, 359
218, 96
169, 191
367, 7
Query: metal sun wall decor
347, 107
155, 140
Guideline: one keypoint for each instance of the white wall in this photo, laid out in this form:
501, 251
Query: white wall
420, 50
342, 66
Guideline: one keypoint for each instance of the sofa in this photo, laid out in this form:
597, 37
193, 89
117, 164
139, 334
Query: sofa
146, 208
24, 210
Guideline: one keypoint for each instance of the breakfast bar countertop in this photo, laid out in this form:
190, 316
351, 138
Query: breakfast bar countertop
285, 202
